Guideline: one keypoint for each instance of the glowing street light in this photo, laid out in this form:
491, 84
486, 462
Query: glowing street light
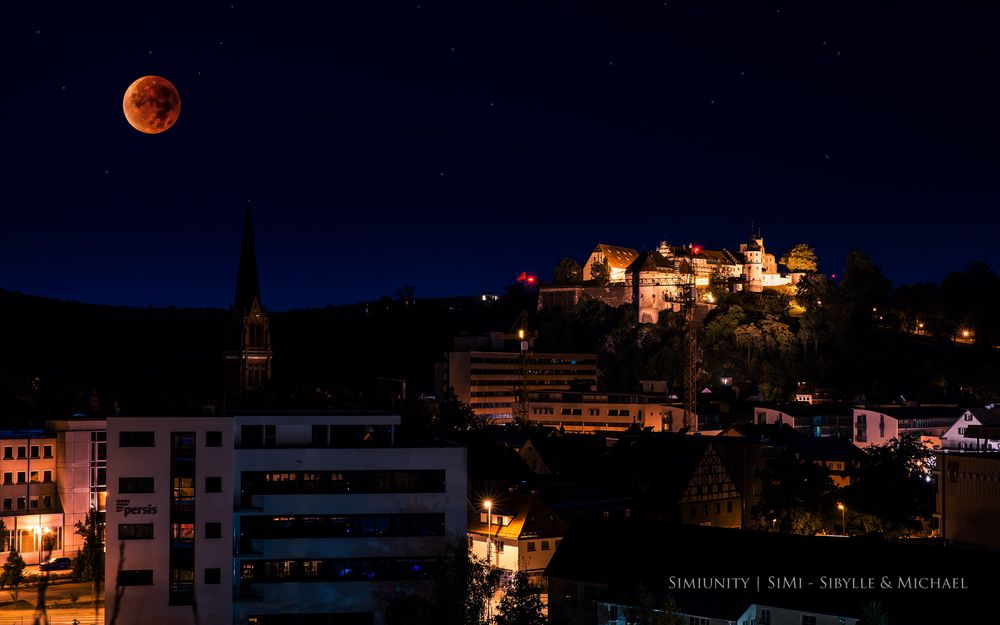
843, 516
489, 527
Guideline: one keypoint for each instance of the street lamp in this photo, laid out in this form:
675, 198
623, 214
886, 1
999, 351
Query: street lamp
843, 516
489, 527
489, 541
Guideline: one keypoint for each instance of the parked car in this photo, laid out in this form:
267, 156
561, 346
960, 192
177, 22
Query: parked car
56, 564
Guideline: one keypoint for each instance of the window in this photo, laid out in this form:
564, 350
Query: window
213, 530
33, 503
213, 576
961, 431
729, 506
22, 503
213, 439
8, 478
765, 616
136, 439
22, 452
718, 508
135, 578
531, 546
545, 545
8, 453
213, 484
46, 476
499, 546
135, 531
135, 485
20, 477
808, 620
47, 451
47, 501
34, 451
8, 503
968, 416
33, 477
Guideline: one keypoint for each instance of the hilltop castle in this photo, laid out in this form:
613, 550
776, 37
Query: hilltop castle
664, 278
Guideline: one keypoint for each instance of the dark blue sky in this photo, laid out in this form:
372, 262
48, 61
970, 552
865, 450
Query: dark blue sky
452, 147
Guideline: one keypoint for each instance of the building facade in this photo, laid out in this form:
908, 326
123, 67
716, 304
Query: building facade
809, 419
588, 413
267, 519
968, 493
49, 480
878, 425
490, 382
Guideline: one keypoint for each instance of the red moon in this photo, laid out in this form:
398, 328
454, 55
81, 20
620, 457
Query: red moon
152, 104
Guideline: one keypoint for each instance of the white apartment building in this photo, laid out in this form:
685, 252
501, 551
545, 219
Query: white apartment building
268, 519
878, 425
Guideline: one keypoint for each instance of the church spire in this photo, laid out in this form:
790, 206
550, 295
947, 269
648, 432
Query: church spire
247, 282
248, 353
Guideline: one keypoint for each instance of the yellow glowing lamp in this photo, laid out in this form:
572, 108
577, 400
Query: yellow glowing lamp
701, 281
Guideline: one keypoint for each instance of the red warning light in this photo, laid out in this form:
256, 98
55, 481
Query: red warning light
527, 278
696, 249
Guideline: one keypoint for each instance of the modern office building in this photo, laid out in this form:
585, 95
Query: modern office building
267, 519
809, 419
489, 381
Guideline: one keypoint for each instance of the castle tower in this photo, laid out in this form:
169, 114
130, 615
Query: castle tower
248, 346
753, 266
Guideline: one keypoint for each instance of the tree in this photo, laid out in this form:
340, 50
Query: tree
795, 496
12, 574
800, 257
567, 272
601, 272
88, 566
462, 587
873, 614
520, 604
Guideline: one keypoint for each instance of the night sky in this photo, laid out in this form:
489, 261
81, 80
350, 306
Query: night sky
451, 147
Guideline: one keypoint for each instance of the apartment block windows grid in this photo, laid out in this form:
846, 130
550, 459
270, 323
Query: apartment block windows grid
182, 507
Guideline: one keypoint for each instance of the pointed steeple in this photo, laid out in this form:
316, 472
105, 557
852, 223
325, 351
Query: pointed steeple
248, 353
247, 282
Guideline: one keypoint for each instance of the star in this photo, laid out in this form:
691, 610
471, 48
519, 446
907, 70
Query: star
492, 104
107, 171
63, 88
826, 156
711, 101
441, 174
38, 32
743, 74
611, 63
150, 53
452, 48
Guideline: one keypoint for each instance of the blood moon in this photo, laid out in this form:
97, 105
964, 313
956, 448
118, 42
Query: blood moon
152, 104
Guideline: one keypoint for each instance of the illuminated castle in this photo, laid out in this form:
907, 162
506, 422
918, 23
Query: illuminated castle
661, 279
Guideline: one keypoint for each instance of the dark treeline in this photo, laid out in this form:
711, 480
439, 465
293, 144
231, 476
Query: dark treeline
860, 336
59, 353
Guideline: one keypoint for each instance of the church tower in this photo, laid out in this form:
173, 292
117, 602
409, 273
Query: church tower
248, 345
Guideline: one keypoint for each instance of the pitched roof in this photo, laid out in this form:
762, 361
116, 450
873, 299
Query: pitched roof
247, 282
651, 261
531, 519
618, 257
